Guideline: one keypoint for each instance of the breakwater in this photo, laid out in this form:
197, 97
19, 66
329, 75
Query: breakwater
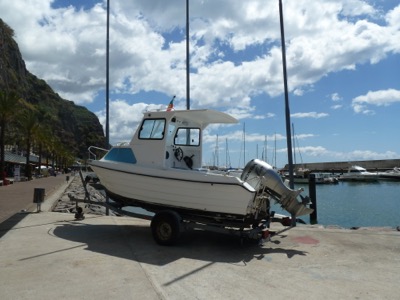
342, 166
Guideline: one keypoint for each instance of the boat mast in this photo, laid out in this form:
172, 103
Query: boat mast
227, 158
244, 144
266, 148
217, 153
294, 145
275, 151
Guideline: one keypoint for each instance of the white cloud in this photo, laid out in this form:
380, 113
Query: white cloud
304, 136
124, 118
335, 97
312, 151
241, 112
393, 18
320, 151
335, 107
366, 155
312, 114
66, 46
357, 8
376, 98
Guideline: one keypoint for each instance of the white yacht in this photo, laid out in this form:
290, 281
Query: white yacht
357, 173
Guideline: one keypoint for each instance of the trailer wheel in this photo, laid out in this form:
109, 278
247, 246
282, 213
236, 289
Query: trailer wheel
166, 228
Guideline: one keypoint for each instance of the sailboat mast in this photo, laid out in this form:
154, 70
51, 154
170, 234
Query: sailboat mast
266, 148
217, 153
294, 145
227, 156
244, 144
275, 151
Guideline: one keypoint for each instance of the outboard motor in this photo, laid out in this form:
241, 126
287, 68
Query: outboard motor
262, 177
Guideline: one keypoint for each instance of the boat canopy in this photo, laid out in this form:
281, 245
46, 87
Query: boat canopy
200, 116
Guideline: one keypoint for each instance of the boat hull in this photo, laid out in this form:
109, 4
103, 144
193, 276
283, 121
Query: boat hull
392, 177
189, 192
357, 173
361, 178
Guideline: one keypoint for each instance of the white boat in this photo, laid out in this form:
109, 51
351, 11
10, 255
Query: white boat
325, 178
357, 173
319, 177
299, 176
160, 169
393, 174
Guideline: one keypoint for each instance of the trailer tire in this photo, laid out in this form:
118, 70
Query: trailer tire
166, 227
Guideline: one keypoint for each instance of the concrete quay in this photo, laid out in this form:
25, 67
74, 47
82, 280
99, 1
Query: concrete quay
50, 255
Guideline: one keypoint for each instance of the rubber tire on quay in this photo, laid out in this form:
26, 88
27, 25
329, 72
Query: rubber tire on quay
166, 228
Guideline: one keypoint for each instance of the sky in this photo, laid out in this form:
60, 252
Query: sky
342, 56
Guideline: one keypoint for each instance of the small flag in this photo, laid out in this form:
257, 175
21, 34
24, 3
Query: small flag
171, 104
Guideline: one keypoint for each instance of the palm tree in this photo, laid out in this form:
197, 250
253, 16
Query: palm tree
9, 102
42, 139
29, 126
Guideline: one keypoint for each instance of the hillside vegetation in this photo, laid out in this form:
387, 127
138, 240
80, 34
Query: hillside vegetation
73, 126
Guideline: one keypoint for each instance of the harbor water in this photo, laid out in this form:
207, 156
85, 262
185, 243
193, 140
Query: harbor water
355, 204
349, 204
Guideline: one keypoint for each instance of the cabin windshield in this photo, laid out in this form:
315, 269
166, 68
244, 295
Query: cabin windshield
152, 129
187, 137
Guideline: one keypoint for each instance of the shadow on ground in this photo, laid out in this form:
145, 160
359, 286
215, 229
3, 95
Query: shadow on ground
135, 242
9, 223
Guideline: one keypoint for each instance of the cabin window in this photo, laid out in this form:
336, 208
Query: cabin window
152, 129
124, 155
187, 137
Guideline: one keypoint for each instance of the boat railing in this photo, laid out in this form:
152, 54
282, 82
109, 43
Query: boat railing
91, 152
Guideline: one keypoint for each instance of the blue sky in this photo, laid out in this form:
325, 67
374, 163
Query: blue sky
343, 61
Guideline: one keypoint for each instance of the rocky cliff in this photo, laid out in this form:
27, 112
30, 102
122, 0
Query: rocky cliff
75, 126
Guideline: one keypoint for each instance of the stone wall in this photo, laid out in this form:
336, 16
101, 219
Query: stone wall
338, 167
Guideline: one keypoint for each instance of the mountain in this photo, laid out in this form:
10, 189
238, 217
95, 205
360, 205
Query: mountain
76, 127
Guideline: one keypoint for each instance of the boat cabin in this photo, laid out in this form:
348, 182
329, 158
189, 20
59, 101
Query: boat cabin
170, 139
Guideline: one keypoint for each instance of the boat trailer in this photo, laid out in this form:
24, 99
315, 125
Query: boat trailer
167, 225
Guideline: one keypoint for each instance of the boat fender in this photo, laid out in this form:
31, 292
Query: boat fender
189, 161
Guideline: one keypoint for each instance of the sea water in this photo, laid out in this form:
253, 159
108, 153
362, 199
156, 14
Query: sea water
349, 204
355, 204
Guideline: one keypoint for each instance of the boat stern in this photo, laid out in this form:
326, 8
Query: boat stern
263, 178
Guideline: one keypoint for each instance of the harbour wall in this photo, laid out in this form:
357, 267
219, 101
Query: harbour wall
342, 166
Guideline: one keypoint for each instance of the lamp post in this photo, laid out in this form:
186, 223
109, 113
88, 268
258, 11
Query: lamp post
108, 89
187, 58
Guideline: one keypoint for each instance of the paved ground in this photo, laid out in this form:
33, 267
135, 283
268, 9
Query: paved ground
51, 256
19, 196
